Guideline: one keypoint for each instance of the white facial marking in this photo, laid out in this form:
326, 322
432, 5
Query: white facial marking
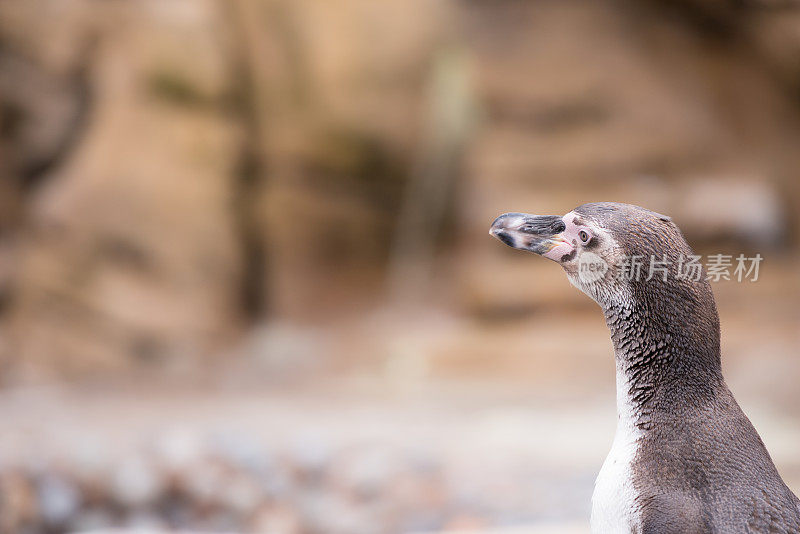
591, 267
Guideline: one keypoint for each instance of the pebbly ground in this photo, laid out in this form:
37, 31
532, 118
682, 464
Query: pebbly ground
353, 456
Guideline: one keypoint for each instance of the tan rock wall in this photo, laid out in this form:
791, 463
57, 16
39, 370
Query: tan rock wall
181, 170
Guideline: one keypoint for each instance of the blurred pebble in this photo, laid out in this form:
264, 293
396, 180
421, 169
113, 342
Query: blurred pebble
18, 505
276, 482
59, 499
91, 520
366, 473
145, 521
276, 519
310, 455
136, 482
332, 513
465, 521
241, 494
89, 459
205, 481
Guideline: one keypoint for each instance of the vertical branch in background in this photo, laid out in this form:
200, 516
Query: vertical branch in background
249, 174
449, 119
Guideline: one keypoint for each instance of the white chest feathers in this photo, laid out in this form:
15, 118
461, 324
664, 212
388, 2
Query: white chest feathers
614, 509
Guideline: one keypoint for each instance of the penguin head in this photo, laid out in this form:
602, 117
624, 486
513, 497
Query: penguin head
605, 248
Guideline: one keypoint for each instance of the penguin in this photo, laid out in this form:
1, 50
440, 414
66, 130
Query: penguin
685, 459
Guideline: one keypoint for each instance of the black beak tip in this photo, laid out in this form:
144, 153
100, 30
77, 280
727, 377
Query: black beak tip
501, 227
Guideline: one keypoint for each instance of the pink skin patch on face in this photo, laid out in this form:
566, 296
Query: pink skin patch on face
567, 241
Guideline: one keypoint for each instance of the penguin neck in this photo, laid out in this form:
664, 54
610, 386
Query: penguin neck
667, 360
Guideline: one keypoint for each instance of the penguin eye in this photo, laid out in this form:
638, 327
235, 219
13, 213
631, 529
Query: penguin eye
584, 236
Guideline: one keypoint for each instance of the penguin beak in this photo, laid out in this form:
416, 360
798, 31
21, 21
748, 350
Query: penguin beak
535, 233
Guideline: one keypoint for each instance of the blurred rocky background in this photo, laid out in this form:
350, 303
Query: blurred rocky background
245, 277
